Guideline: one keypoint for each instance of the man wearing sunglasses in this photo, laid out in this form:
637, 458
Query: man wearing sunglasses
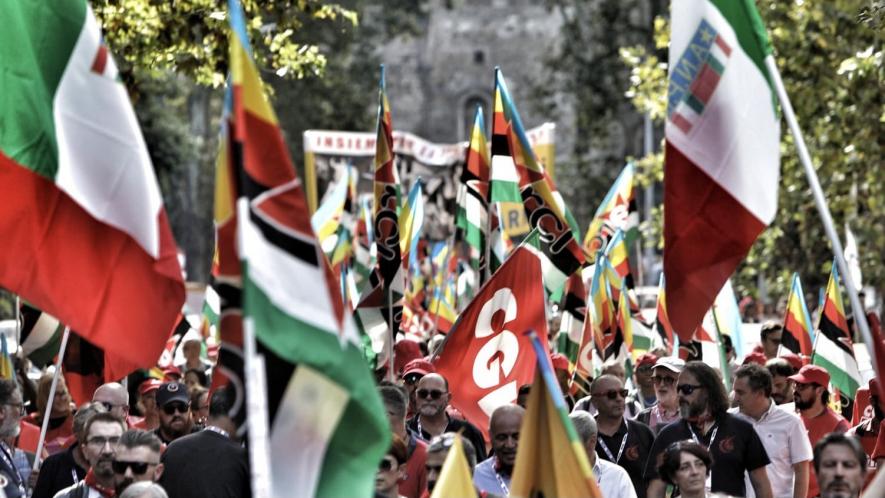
733, 443
103, 432
137, 459
412, 373
432, 420
620, 441
665, 373
210, 462
175, 414
115, 399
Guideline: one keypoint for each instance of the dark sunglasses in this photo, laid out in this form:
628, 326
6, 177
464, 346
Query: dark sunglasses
171, 408
432, 394
667, 381
412, 378
614, 393
386, 464
687, 389
138, 468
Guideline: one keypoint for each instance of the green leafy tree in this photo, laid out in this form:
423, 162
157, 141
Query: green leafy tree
830, 58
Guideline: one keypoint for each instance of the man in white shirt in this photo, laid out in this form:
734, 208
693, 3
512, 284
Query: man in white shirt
612, 479
782, 433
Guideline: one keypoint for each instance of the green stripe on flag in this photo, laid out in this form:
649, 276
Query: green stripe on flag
838, 377
715, 65
362, 434
747, 25
32, 61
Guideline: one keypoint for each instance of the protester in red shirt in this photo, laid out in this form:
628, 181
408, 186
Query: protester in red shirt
812, 398
413, 477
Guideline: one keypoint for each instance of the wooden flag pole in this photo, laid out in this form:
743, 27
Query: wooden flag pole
256, 410
18, 322
51, 400
821, 203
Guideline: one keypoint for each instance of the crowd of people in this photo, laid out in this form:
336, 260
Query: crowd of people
677, 432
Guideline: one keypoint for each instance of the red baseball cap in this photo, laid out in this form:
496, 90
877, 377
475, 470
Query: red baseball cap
755, 357
171, 371
646, 359
812, 374
149, 385
418, 366
793, 359
560, 362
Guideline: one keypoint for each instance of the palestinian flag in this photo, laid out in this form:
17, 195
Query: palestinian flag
41, 335
833, 348
512, 152
797, 322
617, 271
327, 426
471, 218
551, 460
86, 237
617, 212
662, 321
571, 324
721, 162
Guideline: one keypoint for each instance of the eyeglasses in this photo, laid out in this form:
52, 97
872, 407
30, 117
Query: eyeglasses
667, 381
613, 394
20, 406
108, 405
100, 442
171, 408
387, 464
138, 468
433, 393
687, 389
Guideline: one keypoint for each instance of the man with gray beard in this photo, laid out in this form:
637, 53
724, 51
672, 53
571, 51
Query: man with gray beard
732, 442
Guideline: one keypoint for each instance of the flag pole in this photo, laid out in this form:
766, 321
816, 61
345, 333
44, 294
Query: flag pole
821, 203
18, 323
51, 400
390, 374
256, 408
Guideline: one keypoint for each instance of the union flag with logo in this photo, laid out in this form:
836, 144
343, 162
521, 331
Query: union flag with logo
488, 356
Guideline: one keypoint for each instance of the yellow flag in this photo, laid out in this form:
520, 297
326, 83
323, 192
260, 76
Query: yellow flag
455, 480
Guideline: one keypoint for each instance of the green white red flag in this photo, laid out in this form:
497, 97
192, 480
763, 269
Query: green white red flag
721, 165
86, 237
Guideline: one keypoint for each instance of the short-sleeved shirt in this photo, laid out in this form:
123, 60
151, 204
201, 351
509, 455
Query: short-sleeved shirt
486, 478
783, 435
817, 427
635, 453
733, 444
613, 480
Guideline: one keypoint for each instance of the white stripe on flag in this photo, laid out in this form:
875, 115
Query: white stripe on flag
504, 170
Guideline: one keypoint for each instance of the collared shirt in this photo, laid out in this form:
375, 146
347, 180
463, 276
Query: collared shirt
733, 444
486, 478
656, 418
613, 480
636, 447
783, 435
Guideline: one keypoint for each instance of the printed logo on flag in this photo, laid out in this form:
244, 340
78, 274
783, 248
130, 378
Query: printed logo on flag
695, 76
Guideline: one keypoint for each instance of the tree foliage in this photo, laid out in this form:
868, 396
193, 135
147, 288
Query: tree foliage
830, 58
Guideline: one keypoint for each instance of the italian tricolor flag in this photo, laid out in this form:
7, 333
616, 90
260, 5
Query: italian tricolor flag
85, 236
722, 153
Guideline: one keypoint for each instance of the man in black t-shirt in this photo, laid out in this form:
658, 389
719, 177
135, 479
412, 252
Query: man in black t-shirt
624, 442
733, 443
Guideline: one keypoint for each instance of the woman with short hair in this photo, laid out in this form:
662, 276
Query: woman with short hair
686, 465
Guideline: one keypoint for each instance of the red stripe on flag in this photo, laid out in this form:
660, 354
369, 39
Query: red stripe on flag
703, 86
723, 46
680, 122
93, 277
707, 233
101, 59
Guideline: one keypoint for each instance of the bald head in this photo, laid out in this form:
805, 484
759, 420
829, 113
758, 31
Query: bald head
434, 380
504, 426
114, 397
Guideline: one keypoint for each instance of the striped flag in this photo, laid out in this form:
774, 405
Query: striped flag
86, 237
513, 155
833, 348
327, 218
662, 321
411, 223
40, 335
6, 369
797, 321
471, 219
617, 212
722, 157
328, 429
617, 271
571, 325
550, 460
